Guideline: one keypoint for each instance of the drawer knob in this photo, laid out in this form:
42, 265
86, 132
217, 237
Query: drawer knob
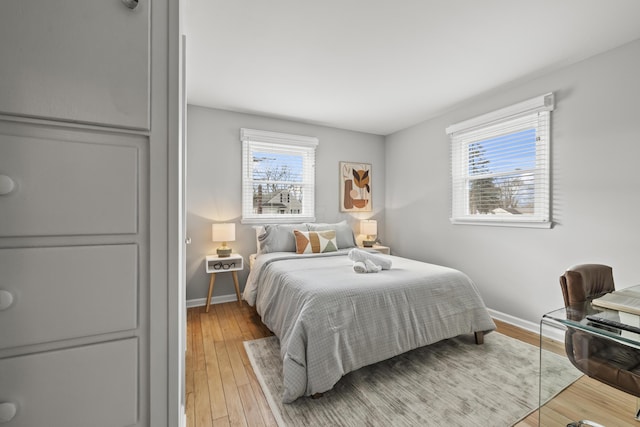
131, 4
7, 411
6, 299
6, 185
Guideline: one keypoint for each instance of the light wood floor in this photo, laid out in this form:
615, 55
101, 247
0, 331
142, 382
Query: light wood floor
222, 390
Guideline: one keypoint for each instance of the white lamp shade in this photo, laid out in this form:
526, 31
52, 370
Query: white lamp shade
369, 227
225, 232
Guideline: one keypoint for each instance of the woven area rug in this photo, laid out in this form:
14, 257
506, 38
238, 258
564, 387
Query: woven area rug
454, 383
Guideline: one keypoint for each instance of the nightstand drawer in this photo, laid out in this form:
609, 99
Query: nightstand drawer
216, 264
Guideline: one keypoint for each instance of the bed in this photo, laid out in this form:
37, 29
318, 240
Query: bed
331, 321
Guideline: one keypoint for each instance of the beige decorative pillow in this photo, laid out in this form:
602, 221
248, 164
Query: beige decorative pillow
315, 242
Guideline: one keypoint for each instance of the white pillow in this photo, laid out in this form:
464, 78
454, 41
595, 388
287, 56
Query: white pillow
259, 231
279, 238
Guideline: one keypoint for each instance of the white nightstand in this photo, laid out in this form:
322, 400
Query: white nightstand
379, 248
231, 264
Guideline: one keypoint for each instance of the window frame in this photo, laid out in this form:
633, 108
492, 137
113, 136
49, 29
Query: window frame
252, 140
506, 121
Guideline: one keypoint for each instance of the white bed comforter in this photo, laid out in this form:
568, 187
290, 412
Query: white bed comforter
331, 320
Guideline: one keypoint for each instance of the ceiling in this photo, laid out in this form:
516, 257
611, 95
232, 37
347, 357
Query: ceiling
379, 66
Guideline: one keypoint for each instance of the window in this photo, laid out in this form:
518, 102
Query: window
500, 166
278, 177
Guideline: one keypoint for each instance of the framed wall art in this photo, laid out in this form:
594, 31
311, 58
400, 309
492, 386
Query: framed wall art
355, 187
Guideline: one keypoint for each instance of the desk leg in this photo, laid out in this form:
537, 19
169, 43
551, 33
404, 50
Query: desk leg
211, 282
235, 282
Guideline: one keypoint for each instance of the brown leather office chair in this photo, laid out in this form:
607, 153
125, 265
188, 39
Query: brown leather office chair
602, 359
585, 282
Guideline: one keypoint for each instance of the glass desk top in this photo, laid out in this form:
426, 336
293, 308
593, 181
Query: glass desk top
575, 316
567, 333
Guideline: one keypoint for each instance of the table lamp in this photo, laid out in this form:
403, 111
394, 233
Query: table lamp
224, 232
370, 228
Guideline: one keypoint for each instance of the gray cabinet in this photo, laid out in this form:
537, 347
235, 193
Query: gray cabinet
78, 61
74, 276
83, 333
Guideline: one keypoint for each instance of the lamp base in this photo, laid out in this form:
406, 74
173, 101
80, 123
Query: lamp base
368, 243
223, 252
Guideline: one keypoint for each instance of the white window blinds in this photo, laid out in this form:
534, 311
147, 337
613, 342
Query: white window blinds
278, 177
500, 166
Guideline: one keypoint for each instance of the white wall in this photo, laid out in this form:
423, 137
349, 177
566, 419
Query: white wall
596, 189
214, 183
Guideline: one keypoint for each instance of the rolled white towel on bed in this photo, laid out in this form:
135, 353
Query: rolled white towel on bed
371, 267
359, 267
366, 266
379, 260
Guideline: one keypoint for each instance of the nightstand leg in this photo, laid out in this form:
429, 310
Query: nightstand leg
211, 282
235, 282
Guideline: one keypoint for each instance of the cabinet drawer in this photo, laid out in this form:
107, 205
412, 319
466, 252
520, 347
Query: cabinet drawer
95, 385
68, 188
79, 61
67, 292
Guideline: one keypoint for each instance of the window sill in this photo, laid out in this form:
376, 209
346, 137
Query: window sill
502, 223
278, 220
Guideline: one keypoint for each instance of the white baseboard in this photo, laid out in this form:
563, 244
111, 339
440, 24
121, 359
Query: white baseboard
199, 302
556, 335
183, 415
515, 321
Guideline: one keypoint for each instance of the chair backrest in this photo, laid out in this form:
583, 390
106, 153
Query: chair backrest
586, 281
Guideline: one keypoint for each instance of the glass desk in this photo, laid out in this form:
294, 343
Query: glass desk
609, 355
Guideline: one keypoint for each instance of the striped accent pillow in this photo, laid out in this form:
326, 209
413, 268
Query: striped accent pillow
315, 242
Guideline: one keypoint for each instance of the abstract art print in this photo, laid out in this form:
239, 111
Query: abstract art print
355, 187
